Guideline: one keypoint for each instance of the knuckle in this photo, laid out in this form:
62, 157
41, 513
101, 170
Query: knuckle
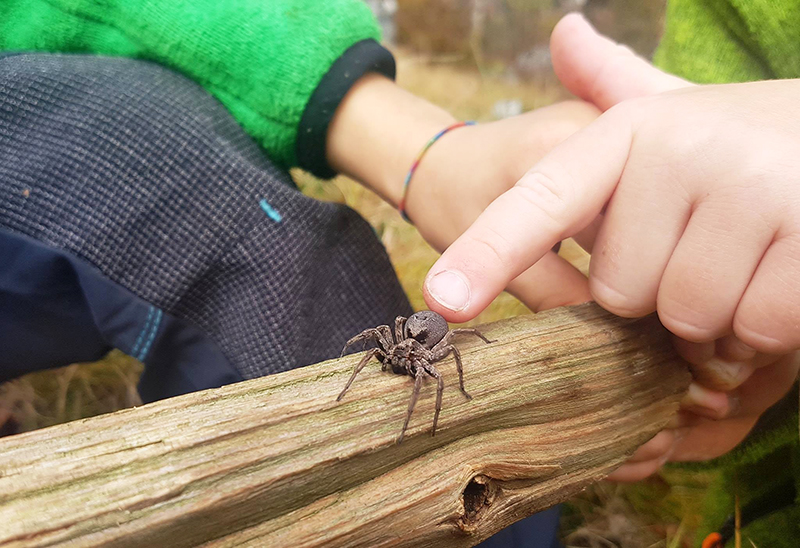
688, 324
624, 52
692, 313
614, 67
496, 247
770, 342
768, 317
546, 194
620, 302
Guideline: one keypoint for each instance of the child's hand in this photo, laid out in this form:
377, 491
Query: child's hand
712, 423
704, 226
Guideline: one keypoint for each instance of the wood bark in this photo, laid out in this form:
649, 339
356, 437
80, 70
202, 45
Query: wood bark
560, 399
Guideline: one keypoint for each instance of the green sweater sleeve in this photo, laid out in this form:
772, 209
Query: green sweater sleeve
263, 59
718, 41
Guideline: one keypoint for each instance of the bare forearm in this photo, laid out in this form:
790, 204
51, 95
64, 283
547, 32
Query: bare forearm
377, 132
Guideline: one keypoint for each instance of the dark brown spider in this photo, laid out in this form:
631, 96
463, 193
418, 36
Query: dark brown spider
418, 342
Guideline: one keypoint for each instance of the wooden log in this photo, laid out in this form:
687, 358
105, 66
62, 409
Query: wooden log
560, 399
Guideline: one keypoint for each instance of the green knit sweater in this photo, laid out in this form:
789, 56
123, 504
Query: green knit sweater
720, 41
261, 58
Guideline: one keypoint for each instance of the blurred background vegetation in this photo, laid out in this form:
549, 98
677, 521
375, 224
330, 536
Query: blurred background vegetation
482, 60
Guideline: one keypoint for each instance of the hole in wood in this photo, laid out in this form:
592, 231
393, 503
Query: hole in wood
477, 497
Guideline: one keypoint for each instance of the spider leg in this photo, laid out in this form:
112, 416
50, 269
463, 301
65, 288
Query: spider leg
417, 386
433, 372
399, 328
454, 332
368, 356
373, 333
386, 341
440, 353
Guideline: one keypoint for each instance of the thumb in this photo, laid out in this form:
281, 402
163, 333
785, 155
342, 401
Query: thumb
601, 71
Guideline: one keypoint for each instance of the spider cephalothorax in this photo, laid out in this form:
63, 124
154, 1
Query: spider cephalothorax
413, 347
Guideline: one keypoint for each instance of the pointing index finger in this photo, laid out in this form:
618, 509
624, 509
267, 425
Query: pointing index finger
559, 196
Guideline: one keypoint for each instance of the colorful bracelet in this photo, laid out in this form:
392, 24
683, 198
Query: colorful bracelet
402, 205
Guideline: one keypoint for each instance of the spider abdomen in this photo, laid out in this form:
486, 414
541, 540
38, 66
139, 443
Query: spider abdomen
426, 327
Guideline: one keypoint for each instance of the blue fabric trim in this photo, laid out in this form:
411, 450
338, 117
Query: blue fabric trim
143, 354
135, 350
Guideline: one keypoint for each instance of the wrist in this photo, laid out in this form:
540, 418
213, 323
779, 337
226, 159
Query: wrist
360, 59
377, 132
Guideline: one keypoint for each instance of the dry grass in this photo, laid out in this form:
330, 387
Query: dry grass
661, 512
73, 392
654, 513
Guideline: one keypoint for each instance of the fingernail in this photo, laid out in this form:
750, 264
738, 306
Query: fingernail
676, 421
450, 289
705, 402
721, 375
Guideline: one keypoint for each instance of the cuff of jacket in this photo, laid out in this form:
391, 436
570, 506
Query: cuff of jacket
359, 59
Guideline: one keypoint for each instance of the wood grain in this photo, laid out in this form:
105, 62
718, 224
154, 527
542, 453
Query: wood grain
560, 399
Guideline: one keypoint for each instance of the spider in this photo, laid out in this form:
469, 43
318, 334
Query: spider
418, 342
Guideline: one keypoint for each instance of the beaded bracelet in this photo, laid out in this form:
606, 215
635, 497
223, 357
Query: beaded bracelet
402, 205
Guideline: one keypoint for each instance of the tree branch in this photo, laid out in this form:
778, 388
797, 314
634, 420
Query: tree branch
560, 399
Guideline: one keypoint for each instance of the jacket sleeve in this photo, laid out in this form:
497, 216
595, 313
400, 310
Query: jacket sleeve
263, 59
719, 41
